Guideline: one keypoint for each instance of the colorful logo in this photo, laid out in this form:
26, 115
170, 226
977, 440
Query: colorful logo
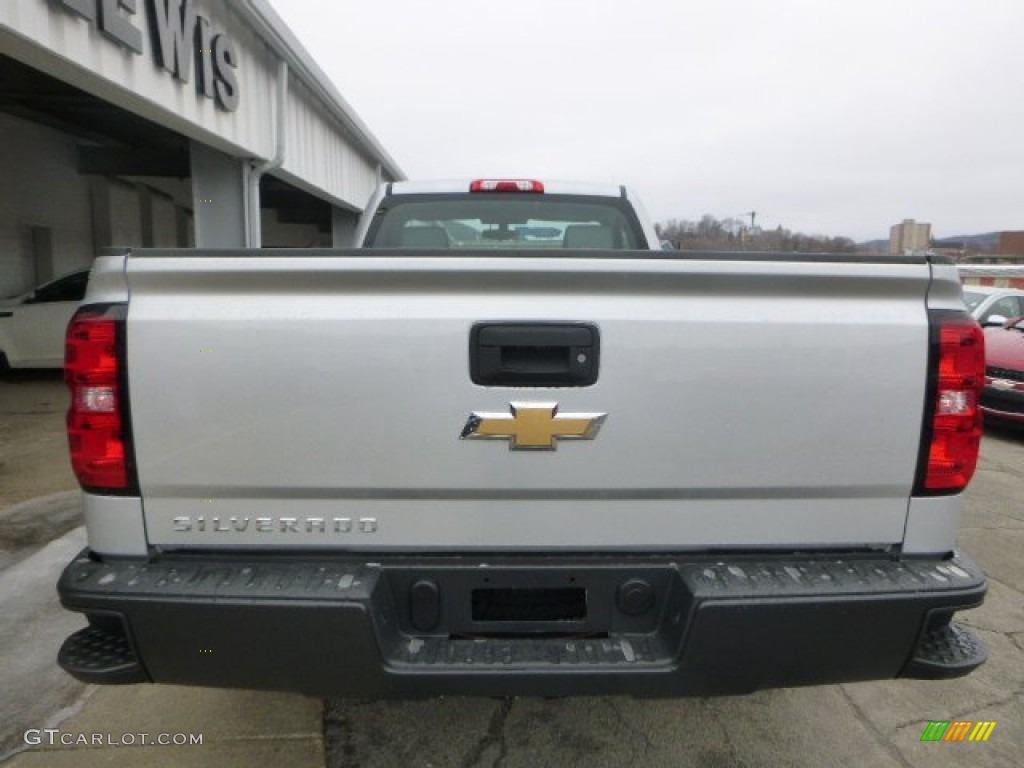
958, 730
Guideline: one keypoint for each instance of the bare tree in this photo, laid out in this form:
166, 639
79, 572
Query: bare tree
731, 233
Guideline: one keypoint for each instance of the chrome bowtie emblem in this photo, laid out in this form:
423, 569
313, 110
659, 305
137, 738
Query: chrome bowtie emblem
533, 426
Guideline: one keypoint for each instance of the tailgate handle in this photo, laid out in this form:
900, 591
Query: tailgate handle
534, 354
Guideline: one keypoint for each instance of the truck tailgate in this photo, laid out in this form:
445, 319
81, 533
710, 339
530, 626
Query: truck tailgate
317, 401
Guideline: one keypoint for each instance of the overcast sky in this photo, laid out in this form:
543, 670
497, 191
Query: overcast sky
825, 117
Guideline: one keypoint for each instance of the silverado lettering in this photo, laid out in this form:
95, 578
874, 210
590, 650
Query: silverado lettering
202, 523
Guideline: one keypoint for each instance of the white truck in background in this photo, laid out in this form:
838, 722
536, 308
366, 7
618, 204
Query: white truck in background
509, 446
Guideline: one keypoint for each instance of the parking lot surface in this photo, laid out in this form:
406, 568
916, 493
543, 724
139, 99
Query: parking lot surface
864, 724
33, 445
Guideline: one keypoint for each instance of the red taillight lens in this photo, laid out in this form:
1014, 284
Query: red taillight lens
506, 185
97, 418
956, 424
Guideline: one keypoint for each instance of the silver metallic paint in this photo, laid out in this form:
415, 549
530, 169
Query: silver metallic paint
932, 524
115, 525
768, 404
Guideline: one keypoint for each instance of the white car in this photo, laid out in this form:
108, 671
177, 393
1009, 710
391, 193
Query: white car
993, 306
32, 326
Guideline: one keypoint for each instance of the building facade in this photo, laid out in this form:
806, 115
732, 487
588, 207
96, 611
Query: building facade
909, 235
168, 123
1011, 243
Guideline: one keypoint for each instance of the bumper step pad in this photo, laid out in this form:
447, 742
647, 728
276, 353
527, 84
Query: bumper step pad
622, 650
949, 651
97, 655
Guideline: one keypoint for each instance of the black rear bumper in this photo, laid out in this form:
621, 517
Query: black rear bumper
532, 625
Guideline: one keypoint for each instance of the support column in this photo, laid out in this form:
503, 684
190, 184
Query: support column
343, 227
219, 196
102, 227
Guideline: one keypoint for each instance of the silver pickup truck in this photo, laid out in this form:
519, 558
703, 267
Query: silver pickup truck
509, 446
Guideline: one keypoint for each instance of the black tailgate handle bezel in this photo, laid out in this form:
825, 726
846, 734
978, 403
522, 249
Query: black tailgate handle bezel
534, 354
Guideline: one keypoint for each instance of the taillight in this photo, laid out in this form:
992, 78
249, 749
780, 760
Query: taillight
98, 416
953, 426
506, 185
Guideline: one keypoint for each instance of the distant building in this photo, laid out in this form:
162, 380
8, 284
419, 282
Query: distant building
1011, 243
909, 235
1006, 248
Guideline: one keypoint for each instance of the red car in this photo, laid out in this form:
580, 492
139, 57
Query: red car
1003, 398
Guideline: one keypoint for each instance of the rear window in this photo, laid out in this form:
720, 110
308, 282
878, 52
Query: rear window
504, 222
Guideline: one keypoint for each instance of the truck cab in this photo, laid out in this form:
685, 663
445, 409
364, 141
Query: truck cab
505, 214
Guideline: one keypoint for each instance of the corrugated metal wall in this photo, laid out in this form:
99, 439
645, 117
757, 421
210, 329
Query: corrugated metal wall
318, 153
319, 157
72, 49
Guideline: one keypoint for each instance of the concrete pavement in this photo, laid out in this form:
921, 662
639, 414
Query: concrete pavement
238, 728
33, 442
32, 627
